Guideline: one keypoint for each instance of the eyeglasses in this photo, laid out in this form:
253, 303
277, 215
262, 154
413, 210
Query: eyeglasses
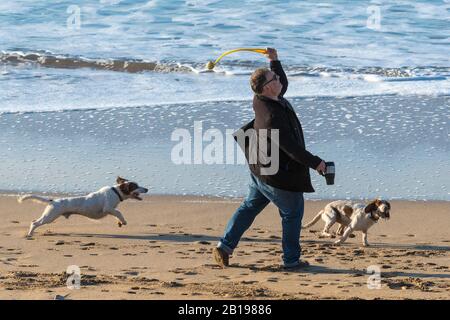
275, 77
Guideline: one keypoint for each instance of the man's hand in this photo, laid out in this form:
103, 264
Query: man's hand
272, 54
321, 168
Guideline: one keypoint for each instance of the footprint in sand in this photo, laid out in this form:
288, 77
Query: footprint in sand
272, 279
203, 242
28, 265
249, 281
88, 244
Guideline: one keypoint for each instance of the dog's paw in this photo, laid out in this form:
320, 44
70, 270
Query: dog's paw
337, 242
366, 245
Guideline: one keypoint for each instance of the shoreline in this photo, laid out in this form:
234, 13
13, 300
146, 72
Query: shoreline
60, 152
193, 197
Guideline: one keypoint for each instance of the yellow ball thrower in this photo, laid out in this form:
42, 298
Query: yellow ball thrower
210, 65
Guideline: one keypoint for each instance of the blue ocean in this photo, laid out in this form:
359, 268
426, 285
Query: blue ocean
92, 89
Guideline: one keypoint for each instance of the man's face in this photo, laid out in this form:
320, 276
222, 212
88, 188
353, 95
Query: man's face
272, 85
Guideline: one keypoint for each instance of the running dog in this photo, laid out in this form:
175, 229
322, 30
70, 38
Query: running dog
95, 205
351, 216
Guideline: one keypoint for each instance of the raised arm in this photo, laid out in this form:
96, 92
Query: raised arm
275, 66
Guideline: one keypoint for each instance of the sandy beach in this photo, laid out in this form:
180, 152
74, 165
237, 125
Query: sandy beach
165, 253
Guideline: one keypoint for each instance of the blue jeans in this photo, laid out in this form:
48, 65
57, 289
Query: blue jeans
290, 206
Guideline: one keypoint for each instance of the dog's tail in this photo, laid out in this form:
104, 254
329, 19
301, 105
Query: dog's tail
35, 199
313, 221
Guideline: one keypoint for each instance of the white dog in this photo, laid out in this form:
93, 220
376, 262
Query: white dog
95, 205
351, 216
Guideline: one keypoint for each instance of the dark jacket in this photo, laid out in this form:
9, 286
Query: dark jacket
294, 159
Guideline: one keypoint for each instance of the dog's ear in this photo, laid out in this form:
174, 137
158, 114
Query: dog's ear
125, 188
121, 180
371, 206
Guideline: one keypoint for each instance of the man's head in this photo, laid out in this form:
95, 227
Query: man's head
265, 82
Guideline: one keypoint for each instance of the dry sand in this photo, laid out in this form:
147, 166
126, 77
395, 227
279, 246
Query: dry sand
165, 253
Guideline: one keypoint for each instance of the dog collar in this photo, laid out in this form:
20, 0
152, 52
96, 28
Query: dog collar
118, 194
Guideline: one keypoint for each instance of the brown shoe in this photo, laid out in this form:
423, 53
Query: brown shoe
301, 265
222, 258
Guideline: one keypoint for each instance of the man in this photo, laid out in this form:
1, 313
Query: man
284, 188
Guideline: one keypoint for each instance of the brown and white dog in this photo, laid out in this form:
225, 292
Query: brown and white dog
351, 216
95, 205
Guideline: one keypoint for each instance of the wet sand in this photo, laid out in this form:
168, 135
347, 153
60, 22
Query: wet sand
165, 253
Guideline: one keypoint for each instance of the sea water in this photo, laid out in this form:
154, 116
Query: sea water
94, 89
